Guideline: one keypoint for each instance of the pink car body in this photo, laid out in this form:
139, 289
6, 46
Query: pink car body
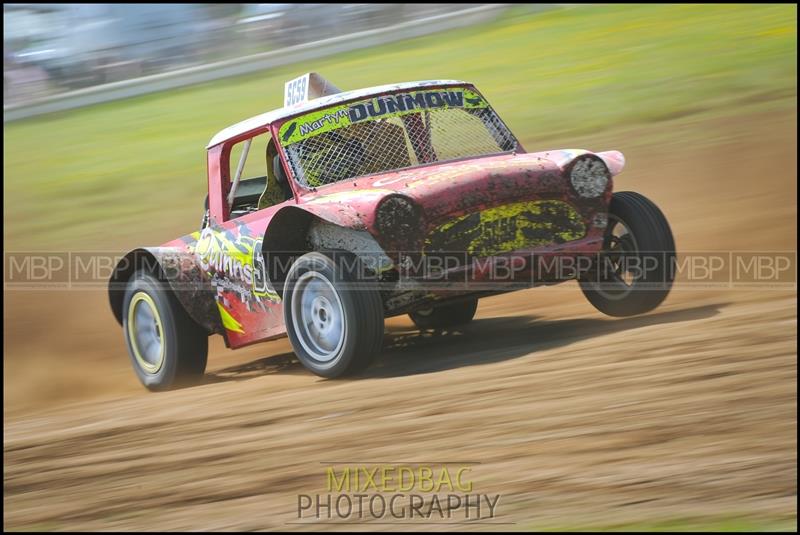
488, 207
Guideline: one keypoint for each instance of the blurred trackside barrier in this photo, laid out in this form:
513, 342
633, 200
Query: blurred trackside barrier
248, 64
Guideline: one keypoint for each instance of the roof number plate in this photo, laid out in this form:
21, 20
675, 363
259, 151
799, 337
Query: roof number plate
296, 91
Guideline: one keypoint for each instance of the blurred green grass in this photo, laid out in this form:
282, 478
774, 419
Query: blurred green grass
117, 174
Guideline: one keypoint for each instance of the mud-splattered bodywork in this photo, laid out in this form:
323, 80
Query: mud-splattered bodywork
228, 276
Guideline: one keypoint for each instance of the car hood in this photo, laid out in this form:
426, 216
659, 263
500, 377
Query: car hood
458, 186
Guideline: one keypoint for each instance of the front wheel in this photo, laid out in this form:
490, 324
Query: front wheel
335, 324
635, 271
166, 347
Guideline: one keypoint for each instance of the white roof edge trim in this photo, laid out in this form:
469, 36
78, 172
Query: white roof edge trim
274, 115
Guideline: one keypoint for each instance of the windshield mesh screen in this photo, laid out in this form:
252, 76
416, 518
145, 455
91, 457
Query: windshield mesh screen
391, 133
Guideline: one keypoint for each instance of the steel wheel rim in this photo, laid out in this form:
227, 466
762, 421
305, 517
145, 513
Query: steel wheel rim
318, 317
619, 243
145, 332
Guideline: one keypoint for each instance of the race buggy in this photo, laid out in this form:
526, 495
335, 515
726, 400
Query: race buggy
413, 198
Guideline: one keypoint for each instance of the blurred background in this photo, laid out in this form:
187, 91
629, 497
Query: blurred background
52, 48
685, 418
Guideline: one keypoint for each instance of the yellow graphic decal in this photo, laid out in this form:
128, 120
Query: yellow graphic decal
508, 228
228, 321
237, 260
377, 107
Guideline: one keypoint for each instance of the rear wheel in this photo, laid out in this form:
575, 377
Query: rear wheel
636, 269
335, 324
165, 346
444, 316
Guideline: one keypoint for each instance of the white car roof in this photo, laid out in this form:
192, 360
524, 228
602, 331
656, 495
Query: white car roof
271, 116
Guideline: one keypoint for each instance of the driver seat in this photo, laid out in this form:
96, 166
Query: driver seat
281, 178
277, 189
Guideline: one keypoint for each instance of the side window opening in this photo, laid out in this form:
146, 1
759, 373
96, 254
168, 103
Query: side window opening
258, 186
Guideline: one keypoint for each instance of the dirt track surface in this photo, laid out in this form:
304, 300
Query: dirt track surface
573, 417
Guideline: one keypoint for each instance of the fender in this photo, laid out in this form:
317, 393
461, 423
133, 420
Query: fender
287, 229
287, 233
178, 267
